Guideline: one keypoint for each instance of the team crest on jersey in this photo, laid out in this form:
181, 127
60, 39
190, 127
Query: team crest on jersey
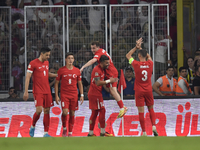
74, 75
29, 66
43, 66
47, 67
96, 74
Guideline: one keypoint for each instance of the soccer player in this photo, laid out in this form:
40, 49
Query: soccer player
95, 95
143, 88
69, 77
39, 69
111, 71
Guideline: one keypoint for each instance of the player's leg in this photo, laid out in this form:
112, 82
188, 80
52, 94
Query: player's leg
152, 117
71, 121
46, 121
141, 119
38, 100
92, 122
48, 102
150, 102
115, 94
64, 121
73, 106
139, 100
102, 113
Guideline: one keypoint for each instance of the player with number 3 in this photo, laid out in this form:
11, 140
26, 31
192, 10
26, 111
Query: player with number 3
143, 87
69, 77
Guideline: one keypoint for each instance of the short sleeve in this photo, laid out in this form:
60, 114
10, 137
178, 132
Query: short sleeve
160, 81
97, 56
31, 67
79, 77
58, 75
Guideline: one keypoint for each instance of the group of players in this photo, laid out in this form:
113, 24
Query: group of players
103, 75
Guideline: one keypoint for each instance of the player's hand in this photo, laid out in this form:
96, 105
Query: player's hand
112, 80
139, 43
57, 99
81, 99
81, 70
25, 97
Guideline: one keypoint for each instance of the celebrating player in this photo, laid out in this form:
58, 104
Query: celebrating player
69, 77
143, 87
39, 68
95, 95
111, 71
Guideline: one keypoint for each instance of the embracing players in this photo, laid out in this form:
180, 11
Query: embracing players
143, 87
111, 71
95, 97
69, 77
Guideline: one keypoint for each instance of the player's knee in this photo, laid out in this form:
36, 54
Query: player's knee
72, 113
46, 110
90, 121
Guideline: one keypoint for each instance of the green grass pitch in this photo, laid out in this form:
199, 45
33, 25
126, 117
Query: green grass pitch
101, 143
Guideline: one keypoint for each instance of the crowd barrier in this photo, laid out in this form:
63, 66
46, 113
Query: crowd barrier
175, 116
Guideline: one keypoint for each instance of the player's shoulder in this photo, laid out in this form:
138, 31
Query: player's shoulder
76, 69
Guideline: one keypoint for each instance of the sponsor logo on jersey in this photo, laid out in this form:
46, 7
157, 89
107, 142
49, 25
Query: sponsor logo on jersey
40, 67
64, 75
70, 75
43, 66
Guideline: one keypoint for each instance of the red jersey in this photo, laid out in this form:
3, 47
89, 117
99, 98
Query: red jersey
94, 89
111, 67
40, 77
143, 72
69, 79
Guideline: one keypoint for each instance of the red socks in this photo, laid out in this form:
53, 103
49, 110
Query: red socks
46, 122
35, 118
102, 113
142, 121
152, 116
120, 104
93, 119
71, 123
64, 120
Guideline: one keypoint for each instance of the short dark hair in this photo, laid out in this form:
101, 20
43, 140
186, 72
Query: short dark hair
96, 43
103, 58
45, 49
182, 68
169, 67
69, 53
143, 53
11, 88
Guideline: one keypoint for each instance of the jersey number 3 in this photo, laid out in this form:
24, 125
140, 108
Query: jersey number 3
144, 72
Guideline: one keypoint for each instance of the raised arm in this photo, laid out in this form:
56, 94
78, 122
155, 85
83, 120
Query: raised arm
149, 57
138, 46
90, 62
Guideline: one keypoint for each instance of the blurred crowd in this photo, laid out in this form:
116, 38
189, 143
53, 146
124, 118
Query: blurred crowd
45, 26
